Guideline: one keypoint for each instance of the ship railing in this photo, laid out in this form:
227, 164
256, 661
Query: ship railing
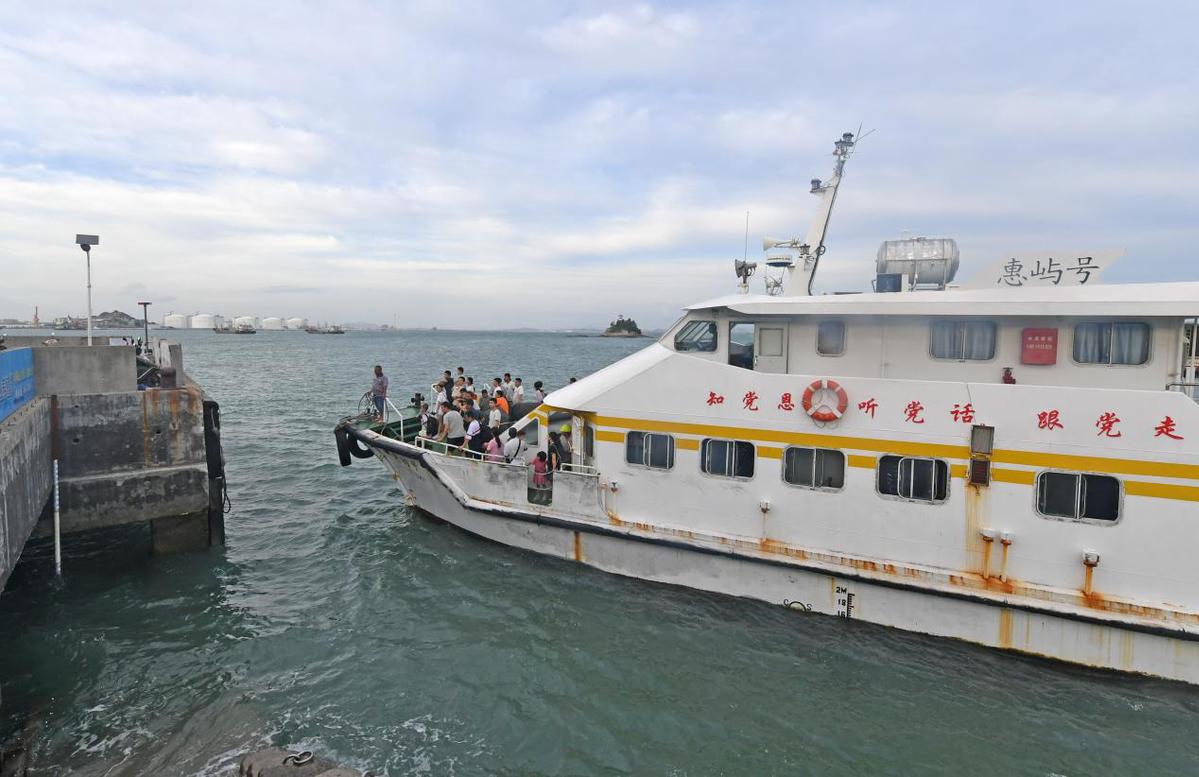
1191, 389
366, 408
445, 449
580, 469
573, 488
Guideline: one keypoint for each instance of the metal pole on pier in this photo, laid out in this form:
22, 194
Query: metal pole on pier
57, 527
146, 326
86, 242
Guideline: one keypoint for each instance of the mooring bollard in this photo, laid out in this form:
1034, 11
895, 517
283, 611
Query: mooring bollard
285, 763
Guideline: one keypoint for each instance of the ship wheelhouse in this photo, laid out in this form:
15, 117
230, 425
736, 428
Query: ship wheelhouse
1131, 336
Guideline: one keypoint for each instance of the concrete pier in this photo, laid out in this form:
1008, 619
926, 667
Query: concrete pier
25, 478
125, 456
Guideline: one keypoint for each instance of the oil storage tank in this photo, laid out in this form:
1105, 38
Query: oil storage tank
250, 321
206, 321
297, 323
176, 320
272, 322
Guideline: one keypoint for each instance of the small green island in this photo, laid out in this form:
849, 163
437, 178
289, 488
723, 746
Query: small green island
622, 327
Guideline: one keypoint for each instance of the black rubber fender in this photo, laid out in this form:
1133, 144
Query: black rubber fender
343, 446
357, 449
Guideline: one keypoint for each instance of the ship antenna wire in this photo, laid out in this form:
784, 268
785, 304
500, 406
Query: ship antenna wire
819, 251
745, 252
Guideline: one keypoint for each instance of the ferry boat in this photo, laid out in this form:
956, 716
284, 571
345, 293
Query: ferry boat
1013, 463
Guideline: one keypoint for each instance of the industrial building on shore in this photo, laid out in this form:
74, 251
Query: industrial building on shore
213, 321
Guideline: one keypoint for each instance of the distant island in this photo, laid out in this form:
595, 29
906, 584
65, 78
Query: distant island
622, 327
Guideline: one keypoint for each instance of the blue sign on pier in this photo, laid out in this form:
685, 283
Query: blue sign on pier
16, 380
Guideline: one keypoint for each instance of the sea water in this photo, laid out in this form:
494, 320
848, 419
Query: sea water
337, 620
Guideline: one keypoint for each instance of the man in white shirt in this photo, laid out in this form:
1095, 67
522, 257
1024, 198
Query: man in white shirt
495, 417
507, 385
515, 450
518, 391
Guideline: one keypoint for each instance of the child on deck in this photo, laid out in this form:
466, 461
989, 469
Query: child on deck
540, 467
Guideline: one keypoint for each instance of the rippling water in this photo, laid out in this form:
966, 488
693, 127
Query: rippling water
337, 620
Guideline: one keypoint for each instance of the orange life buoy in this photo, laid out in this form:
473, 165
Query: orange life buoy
827, 413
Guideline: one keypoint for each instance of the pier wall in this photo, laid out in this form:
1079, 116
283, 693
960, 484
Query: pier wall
133, 457
80, 369
25, 478
39, 341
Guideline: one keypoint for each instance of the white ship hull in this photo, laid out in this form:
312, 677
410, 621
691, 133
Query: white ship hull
1014, 463
780, 576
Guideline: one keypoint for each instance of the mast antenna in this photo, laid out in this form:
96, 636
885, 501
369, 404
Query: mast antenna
842, 150
745, 252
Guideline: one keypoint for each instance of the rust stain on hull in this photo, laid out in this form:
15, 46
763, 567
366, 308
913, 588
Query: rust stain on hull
969, 580
977, 516
578, 547
1005, 628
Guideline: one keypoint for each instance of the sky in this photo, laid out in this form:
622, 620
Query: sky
552, 164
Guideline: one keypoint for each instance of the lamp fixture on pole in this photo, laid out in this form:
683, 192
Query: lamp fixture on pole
86, 242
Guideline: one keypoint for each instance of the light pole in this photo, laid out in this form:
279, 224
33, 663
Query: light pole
146, 325
86, 242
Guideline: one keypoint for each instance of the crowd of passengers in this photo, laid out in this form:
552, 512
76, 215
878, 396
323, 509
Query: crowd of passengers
467, 417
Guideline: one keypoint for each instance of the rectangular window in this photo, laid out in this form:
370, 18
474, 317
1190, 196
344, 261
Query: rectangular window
649, 450
814, 468
741, 344
830, 338
1111, 342
727, 458
696, 336
920, 480
588, 443
962, 340
1078, 497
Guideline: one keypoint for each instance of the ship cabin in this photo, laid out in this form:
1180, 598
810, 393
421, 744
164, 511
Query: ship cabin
1128, 336
1061, 417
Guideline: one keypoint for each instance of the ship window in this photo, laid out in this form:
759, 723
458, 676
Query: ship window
696, 336
830, 338
588, 442
649, 450
741, 344
1077, 497
727, 458
1111, 342
920, 480
962, 340
814, 468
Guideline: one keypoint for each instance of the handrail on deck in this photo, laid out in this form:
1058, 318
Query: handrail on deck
580, 469
445, 449
1185, 387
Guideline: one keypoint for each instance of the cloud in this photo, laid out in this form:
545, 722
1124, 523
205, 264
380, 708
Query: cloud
629, 40
239, 157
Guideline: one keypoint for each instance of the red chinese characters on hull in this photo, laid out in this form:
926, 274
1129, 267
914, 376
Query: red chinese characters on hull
715, 399
1107, 425
1049, 419
1038, 346
1167, 428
